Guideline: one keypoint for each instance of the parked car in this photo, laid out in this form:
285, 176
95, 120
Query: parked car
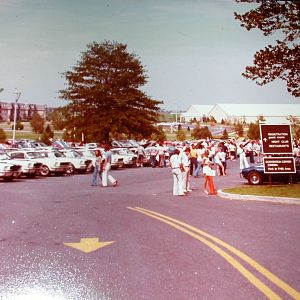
9, 171
255, 175
78, 164
29, 168
129, 157
89, 156
116, 159
53, 162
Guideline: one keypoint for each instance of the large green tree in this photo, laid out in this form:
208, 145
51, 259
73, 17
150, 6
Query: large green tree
281, 60
37, 123
103, 90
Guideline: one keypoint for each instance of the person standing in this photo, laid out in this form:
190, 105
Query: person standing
153, 154
184, 157
200, 151
97, 167
218, 162
161, 155
193, 160
140, 156
243, 159
208, 173
177, 169
106, 177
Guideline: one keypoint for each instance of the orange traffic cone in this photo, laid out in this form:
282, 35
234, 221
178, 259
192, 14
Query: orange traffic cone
212, 190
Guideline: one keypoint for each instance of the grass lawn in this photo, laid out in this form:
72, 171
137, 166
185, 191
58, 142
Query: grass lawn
285, 191
26, 133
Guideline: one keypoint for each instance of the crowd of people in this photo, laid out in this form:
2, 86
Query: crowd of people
205, 159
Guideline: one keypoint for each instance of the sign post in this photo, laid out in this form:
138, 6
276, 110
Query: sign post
277, 140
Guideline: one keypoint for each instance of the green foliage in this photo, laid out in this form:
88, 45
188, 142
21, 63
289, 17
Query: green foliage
37, 123
159, 135
47, 135
297, 132
58, 118
105, 95
19, 126
181, 135
201, 132
282, 60
253, 132
3, 136
238, 127
212, 119
224, 135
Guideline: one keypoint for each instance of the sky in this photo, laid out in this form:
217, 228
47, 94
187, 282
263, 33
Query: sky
193, 51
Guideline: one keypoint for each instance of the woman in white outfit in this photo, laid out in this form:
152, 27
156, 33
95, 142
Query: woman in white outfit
177, 167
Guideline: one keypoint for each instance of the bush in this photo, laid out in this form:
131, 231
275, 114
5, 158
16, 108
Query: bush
2, 135
19, 126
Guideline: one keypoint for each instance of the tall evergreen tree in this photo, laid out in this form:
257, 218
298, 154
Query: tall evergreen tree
105, 96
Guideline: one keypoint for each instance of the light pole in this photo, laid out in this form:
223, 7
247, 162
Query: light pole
18, 94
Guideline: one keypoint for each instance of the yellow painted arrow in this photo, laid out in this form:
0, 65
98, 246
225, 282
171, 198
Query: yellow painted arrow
88, 245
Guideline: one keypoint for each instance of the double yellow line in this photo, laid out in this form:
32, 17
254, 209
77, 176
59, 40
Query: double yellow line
214, 243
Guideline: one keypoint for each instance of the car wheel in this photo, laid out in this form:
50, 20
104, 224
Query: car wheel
45, 171
71, 169
254, 178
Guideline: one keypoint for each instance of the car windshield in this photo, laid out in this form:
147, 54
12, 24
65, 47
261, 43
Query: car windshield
76, 154
58, 154
44, 154
34, 155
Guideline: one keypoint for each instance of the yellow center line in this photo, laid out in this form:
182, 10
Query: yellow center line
254, 280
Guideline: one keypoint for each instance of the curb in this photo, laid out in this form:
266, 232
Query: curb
258, 198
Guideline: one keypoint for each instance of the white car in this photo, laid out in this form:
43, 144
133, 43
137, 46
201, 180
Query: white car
129, 157
78, 164
87, 154
117, 160
53, 162
9, 171
29, 168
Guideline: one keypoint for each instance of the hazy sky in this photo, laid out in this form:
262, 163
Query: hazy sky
193, 50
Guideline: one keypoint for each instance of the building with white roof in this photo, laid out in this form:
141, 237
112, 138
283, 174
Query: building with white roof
196, 112
272, 113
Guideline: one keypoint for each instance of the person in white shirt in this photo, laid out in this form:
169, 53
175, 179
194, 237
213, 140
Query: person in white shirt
184, 157
177, 169
243, 159
217, 159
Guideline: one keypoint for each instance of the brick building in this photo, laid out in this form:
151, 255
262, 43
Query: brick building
24, 111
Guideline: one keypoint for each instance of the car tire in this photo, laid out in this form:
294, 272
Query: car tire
44, 171
254, 178
70, 170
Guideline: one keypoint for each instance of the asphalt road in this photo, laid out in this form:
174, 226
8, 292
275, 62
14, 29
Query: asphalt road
60, 238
